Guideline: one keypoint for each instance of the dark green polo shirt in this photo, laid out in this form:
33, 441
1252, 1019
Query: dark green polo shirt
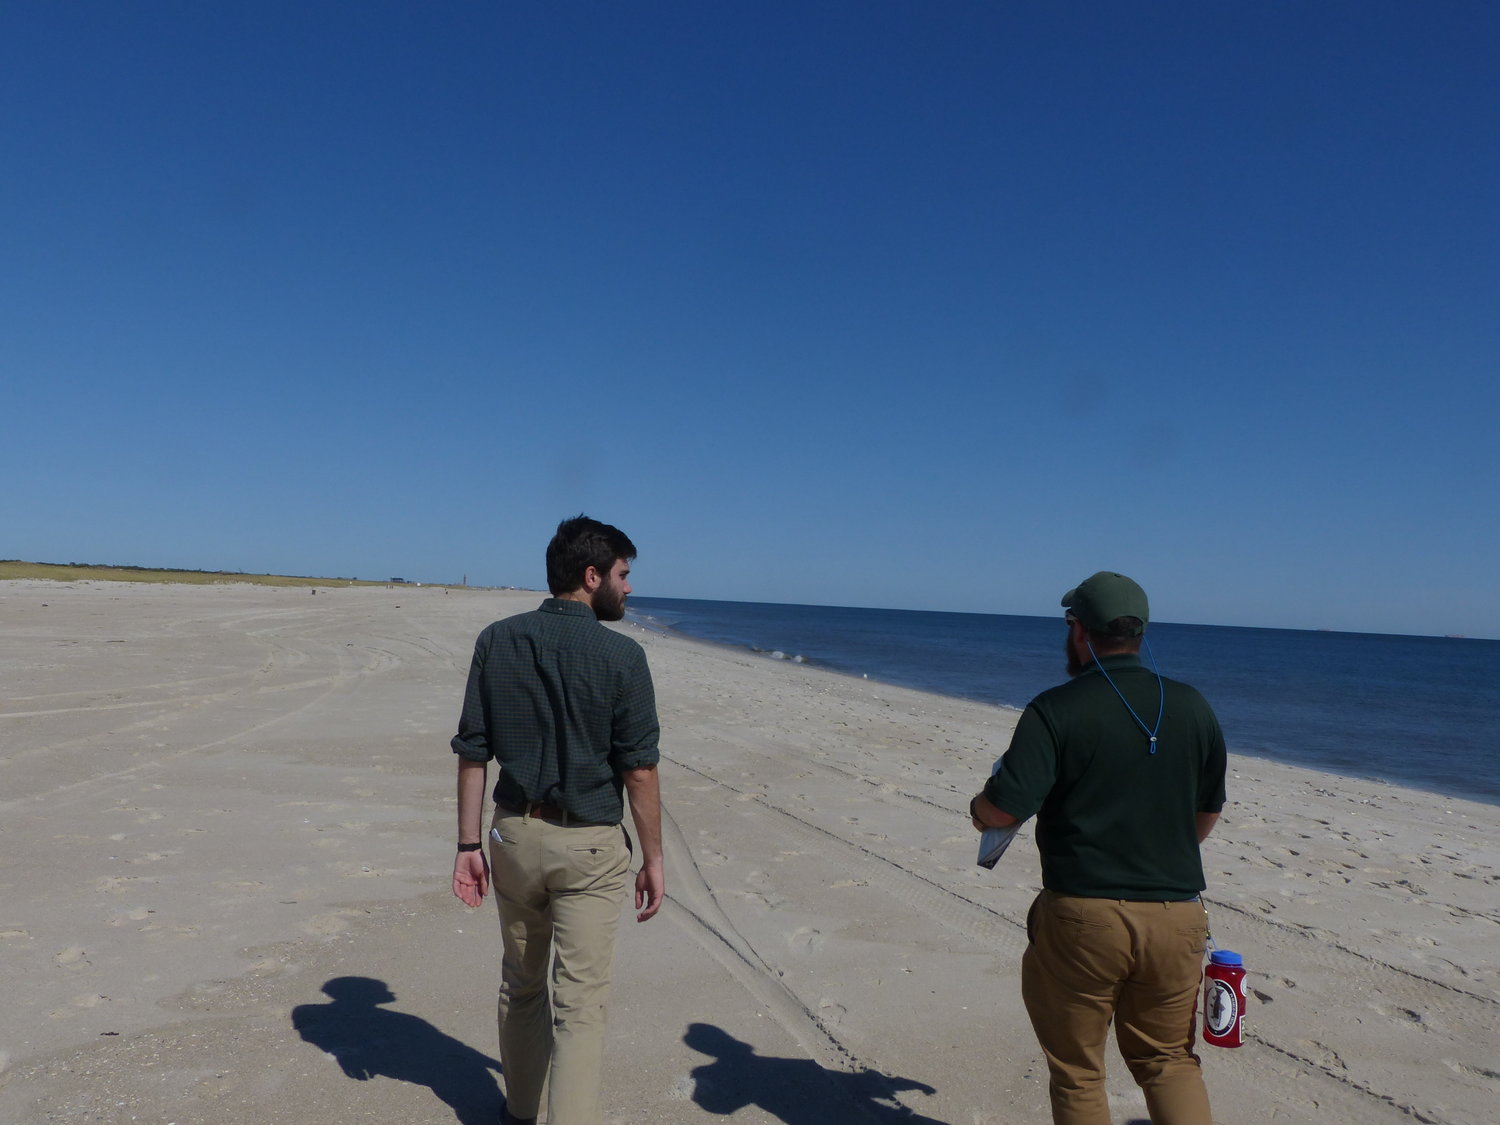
1113, 819
564, 705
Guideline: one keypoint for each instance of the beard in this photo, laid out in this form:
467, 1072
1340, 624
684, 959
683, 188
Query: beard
1075, 663
609, 603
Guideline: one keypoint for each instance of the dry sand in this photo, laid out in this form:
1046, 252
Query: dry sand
226, 820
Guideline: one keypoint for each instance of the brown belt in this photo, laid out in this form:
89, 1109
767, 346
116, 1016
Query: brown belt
555, 813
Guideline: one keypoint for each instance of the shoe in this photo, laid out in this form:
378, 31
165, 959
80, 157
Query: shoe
509, 1118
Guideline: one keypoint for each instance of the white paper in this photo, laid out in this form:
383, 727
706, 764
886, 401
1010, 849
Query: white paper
993, 842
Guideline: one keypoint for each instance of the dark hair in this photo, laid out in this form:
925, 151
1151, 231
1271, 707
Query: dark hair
581, 543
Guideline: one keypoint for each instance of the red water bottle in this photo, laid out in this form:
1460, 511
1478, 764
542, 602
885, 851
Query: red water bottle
1224, 999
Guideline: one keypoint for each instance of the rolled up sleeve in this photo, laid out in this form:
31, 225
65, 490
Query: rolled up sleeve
636, 732
472, 740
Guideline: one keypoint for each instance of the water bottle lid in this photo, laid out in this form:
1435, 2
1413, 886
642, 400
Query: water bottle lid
1226, 957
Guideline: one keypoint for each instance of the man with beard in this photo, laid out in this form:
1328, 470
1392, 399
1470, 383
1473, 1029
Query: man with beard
567, 709
1124, 771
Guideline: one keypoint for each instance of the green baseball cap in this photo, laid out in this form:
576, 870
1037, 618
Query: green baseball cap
1102, 597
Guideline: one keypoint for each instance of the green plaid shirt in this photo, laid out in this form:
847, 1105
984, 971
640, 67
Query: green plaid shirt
564, 705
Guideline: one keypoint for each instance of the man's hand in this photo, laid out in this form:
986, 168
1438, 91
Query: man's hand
471, 877
650, 889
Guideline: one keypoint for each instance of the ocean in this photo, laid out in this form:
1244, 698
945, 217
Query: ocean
1422, 712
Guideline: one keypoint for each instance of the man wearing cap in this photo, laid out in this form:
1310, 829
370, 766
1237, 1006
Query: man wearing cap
567, 709
1124, 771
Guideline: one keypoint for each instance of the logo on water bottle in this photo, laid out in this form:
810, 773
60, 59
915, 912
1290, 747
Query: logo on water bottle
1223, 1007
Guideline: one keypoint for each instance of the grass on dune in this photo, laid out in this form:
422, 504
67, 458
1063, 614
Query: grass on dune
80, 572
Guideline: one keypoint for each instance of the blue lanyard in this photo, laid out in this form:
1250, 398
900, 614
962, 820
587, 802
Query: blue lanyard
1161, 689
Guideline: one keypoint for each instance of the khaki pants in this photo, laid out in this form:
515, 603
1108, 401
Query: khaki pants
559, 890
1093, 960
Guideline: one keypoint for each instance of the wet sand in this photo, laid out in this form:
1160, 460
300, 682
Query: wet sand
226, 824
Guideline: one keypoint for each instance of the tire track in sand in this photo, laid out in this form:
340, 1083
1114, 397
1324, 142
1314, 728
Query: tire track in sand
694, 908
73, 791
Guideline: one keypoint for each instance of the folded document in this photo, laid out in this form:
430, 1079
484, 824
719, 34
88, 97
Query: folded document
993, 842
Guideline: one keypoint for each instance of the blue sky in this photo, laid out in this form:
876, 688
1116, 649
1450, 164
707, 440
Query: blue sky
920, 305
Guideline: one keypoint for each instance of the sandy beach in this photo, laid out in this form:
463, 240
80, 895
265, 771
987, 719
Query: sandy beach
226, 835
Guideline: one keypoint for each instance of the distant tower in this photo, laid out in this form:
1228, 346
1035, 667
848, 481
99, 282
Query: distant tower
466, 579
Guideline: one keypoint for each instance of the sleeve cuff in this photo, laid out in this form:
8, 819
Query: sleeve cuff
472, 753
638, 759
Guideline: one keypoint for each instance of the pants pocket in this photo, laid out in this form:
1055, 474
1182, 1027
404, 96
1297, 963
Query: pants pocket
598, 860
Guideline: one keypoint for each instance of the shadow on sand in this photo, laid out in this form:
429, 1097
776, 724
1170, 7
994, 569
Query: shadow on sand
794, 1091
369, 1041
